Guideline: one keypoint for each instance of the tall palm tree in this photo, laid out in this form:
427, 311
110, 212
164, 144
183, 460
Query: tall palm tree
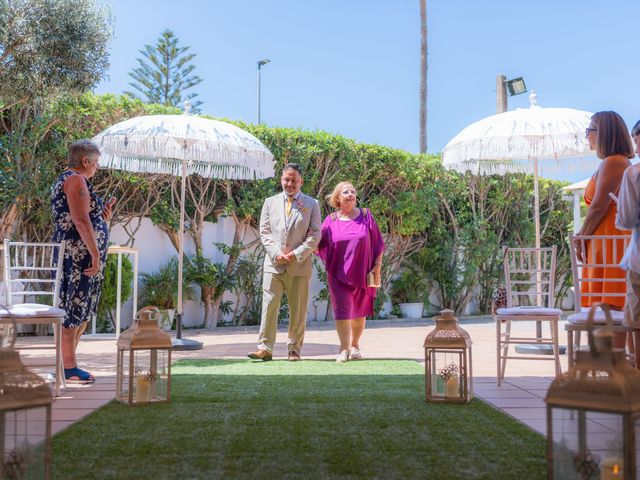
423, 76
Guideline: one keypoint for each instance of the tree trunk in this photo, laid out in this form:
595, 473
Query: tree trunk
423, 76
328, 313
238, 236
9, 220
212, 322
211, 307
174, 238
197, 229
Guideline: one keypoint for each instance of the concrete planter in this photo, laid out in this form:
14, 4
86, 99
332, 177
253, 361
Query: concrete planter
411, 310
385, 310
166, 319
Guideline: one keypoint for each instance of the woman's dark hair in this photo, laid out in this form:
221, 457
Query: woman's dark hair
612, 136
80, 149
292, 166
635, 131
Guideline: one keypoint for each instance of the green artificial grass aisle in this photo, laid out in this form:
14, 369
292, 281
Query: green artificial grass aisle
310, 419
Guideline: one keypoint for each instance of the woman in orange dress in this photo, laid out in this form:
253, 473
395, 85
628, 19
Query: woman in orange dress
609, 137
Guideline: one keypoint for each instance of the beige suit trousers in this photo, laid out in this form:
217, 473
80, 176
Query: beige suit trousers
632, 303
297, 291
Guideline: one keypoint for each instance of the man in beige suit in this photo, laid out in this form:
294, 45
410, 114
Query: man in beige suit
290, 232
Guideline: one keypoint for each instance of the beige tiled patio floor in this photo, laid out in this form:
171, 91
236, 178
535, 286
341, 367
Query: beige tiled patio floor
521, 395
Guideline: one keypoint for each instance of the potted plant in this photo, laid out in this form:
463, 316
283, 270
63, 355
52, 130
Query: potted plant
408, 293
160, 288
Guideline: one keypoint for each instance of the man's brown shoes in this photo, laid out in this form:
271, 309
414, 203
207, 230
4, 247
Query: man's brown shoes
264, 355
294, 356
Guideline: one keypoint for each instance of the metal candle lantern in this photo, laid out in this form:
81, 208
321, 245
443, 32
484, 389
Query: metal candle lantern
25, 415
448, 371
593, 411
144, 361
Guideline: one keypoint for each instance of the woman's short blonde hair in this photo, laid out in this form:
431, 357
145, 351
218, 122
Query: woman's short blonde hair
333, 198
612, 136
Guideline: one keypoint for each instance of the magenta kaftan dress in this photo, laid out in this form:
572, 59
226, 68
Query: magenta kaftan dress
348, 249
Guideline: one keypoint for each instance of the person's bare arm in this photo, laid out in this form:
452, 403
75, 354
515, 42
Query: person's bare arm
608, 181
377, 270
75, 188
609, 178
377, 238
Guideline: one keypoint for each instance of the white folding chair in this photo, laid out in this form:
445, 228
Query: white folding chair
30, 271
610, 249
530, 287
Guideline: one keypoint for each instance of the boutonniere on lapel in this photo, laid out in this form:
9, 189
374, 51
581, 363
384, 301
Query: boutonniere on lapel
300, 206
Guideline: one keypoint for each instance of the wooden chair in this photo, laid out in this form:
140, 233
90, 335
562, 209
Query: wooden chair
530, 287
34, 270
611, 248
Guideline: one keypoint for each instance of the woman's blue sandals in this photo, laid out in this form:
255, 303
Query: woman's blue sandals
77, 375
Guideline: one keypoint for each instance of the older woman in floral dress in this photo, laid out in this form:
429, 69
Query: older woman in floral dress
351, 249
80, 218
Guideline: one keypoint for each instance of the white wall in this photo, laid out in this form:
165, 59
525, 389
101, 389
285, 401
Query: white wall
155, 249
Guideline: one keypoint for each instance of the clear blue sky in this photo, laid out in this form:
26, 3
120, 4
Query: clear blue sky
352, 66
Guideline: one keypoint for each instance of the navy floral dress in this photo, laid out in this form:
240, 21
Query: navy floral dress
79, 293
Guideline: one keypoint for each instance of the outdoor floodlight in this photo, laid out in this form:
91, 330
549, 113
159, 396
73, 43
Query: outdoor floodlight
264, 61
516, 86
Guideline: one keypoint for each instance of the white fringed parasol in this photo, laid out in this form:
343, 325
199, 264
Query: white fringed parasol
498, 144
184, 145
159, 144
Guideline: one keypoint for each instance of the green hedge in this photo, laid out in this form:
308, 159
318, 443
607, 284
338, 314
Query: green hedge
448, 227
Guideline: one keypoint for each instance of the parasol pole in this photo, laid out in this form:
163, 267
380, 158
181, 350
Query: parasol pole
183, 188
536, 215
537, 349
536, 202
180, 343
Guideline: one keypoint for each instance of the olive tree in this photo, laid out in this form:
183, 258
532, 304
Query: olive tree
47, 50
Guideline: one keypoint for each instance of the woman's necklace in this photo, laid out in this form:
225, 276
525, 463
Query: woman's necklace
350, 215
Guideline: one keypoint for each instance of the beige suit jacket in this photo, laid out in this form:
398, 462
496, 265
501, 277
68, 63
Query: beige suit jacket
301, 233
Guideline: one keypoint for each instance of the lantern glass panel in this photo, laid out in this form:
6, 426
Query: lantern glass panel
587, 444
25, 442
151, 375
122, 375
447, 370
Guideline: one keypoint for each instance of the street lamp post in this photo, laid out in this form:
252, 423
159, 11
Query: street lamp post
262, 62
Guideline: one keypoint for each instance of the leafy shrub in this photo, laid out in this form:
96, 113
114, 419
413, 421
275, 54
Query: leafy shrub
160, 288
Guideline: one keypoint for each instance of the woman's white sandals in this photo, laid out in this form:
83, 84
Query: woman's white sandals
354, 354
343, 357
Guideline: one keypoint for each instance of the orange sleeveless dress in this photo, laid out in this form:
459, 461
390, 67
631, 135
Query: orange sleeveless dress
595, 253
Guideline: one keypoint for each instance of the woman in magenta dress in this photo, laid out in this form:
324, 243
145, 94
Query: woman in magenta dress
351, 248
